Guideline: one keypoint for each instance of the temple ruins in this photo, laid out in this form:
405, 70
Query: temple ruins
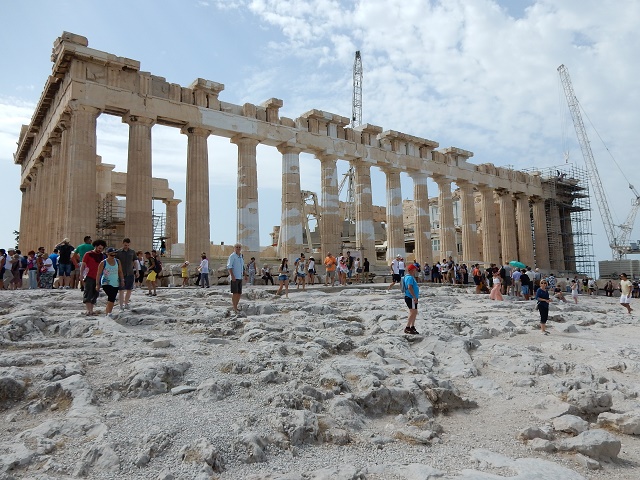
501, 214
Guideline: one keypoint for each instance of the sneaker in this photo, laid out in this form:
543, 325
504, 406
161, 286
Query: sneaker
414, 331
408, 330
109, 315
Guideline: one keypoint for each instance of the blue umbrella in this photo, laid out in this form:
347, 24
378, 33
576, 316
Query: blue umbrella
517, 264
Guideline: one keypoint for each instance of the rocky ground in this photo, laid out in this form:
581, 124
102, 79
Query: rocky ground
320, 385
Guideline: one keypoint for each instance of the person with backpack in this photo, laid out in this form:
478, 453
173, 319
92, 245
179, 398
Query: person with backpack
153, 274
111, 279
91, 261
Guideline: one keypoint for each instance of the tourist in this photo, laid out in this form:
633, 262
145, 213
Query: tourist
283, 277
608, 288
517, 284
557, 293
574, 291
395, 271
301, 271
3, 267
625, 292
477, 278
152, 275
411, 295
16, 281
235, 265
23, 266
203, 268
266, 275
47, 272
54, 261
127, 258
330, 265
111, 278
91, 261
32, 269
311, 269
184, 273
142, 268
358, 269
365, 270
74, 277
82, 249
496, 293
525, 285
542, 296
251, 270
635, 292
593, 287
342, 270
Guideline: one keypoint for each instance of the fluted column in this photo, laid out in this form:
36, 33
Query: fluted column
81, 156
540, 234
422, 230
46, 206
171, 226
197, 221
525, 241
447, 227
291, 241
53, 220
567, 241
365, 233
248, 227
38, 200
330, 223
469, 228
24, 202
490, 251
139, 217
64, 212
507, 227
556, 249
395, 224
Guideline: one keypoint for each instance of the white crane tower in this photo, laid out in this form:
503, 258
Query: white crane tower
618, 235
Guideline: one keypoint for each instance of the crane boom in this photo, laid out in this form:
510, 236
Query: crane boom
596, 183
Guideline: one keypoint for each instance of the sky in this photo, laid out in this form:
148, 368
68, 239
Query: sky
475, 74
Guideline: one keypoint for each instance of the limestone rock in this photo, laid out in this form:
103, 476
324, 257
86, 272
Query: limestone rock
99, 457
152, 376
181, 389
542, 445
300, 427
587, 462
204, 452
570, 424
212, 389
628, 423
590, 401
597, 444
11, 389
534, 432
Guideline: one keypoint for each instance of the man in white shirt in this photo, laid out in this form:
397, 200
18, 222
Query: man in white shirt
235, 265
395, 271
625, 292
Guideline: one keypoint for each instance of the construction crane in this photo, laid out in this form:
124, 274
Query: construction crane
618, 235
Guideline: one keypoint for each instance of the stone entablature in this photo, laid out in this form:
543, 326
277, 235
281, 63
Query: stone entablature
86, 83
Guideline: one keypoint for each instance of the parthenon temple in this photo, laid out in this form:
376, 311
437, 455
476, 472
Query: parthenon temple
503, 215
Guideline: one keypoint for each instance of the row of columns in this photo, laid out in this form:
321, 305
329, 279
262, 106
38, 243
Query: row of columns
67, 167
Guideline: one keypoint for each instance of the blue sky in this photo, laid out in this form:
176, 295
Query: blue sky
479, 75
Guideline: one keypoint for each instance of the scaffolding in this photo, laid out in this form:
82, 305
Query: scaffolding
110, 219
568, 209
159, 230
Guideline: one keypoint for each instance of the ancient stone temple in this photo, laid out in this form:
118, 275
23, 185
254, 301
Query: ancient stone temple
86, 83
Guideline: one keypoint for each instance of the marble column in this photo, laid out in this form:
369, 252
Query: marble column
422, 230
291, 228
447, 227
331, 222
171, 226
470, 253
365, 233
197, 236
64, 211
556, 249
395, 224
53, 219
525, 241
568, 244
507, 227
540, 234
38, 200
81, 175
490, 251
45, 208
248, 227
139, 207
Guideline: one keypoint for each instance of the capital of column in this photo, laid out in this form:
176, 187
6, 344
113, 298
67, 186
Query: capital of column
63, 123
173, 202
74, 107
195, 131
132, 120
285, 148
442, 180
245, 140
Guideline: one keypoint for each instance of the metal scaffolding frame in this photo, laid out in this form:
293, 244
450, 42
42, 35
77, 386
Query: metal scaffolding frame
568, 187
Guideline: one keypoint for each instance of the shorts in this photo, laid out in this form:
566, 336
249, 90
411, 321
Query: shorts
331, 274
301, 275
410, 303
282, 278
111, 292
624, 298
236, 286
524, 289
312, 271
128, 282
64, 269
152, 276
358, 270
90, 294
395, 277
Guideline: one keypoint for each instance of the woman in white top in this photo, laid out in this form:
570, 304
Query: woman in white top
496, 294
574, 290
311, 268
283, 277
46, 273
